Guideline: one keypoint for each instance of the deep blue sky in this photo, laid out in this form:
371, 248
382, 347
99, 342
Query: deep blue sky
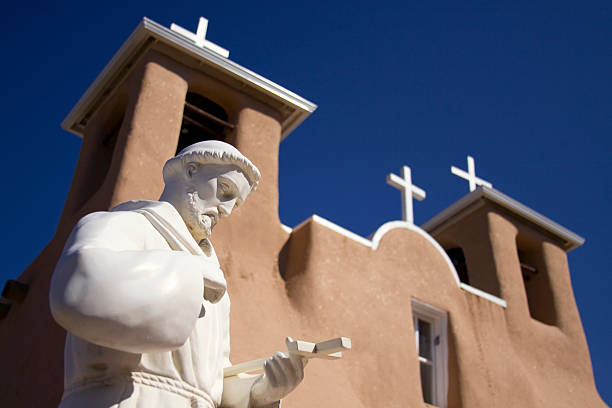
523, 86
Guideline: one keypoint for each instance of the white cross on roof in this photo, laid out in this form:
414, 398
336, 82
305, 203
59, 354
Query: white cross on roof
470, 175
199, 38
409, 191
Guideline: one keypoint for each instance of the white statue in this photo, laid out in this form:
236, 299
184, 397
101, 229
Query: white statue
141, 294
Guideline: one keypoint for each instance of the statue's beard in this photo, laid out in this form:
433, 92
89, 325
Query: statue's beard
198, 222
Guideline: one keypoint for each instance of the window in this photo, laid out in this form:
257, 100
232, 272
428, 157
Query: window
536, 279
458, 259
528, 271
431, 340
202, 120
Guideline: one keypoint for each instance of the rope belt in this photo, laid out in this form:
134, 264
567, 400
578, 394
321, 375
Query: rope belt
198, 398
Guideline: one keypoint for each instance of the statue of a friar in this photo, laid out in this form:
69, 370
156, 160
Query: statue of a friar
140, 292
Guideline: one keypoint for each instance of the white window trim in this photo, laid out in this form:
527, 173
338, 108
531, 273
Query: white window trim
439, 320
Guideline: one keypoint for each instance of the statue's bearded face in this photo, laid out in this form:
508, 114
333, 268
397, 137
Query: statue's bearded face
212, 192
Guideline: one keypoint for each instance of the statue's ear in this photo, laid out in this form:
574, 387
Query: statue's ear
191, 169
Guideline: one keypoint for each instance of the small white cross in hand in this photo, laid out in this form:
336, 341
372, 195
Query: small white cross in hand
282, 373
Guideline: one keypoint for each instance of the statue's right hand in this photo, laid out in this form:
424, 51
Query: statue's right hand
213, 291
214, 283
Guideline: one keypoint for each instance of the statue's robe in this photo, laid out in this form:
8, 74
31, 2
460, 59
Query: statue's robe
129, 289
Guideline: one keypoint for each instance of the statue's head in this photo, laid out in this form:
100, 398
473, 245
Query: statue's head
205, 182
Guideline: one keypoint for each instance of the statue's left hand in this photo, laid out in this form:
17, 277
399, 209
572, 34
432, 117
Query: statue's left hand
282, 373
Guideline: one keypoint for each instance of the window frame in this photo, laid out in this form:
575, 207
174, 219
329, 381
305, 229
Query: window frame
438, 319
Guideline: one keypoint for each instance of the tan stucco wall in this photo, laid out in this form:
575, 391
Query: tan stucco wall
498, 356
314, 283
550, 363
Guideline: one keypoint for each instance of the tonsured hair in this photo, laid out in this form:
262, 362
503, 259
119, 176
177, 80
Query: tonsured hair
212, 156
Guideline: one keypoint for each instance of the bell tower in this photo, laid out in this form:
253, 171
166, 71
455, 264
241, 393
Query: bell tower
164, 89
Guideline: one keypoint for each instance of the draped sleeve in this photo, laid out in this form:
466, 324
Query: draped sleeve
110, 289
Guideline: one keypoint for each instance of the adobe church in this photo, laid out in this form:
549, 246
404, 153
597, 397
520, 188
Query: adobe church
473, 309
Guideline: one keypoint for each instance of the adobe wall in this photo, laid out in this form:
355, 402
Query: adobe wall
497, 356
504, 232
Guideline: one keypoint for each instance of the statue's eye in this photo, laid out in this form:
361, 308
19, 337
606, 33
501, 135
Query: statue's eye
226, 190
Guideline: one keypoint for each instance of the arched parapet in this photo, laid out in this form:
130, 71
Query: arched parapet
391, 225
374, 241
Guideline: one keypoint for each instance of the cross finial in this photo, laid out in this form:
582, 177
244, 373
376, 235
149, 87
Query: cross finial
470, 175
409, 191
199, 38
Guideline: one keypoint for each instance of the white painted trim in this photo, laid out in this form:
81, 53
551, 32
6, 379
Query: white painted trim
342, 231
439, 320
139, 40
386, 227
402, 224
301, 224
450, 214
483, 294
286, 228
